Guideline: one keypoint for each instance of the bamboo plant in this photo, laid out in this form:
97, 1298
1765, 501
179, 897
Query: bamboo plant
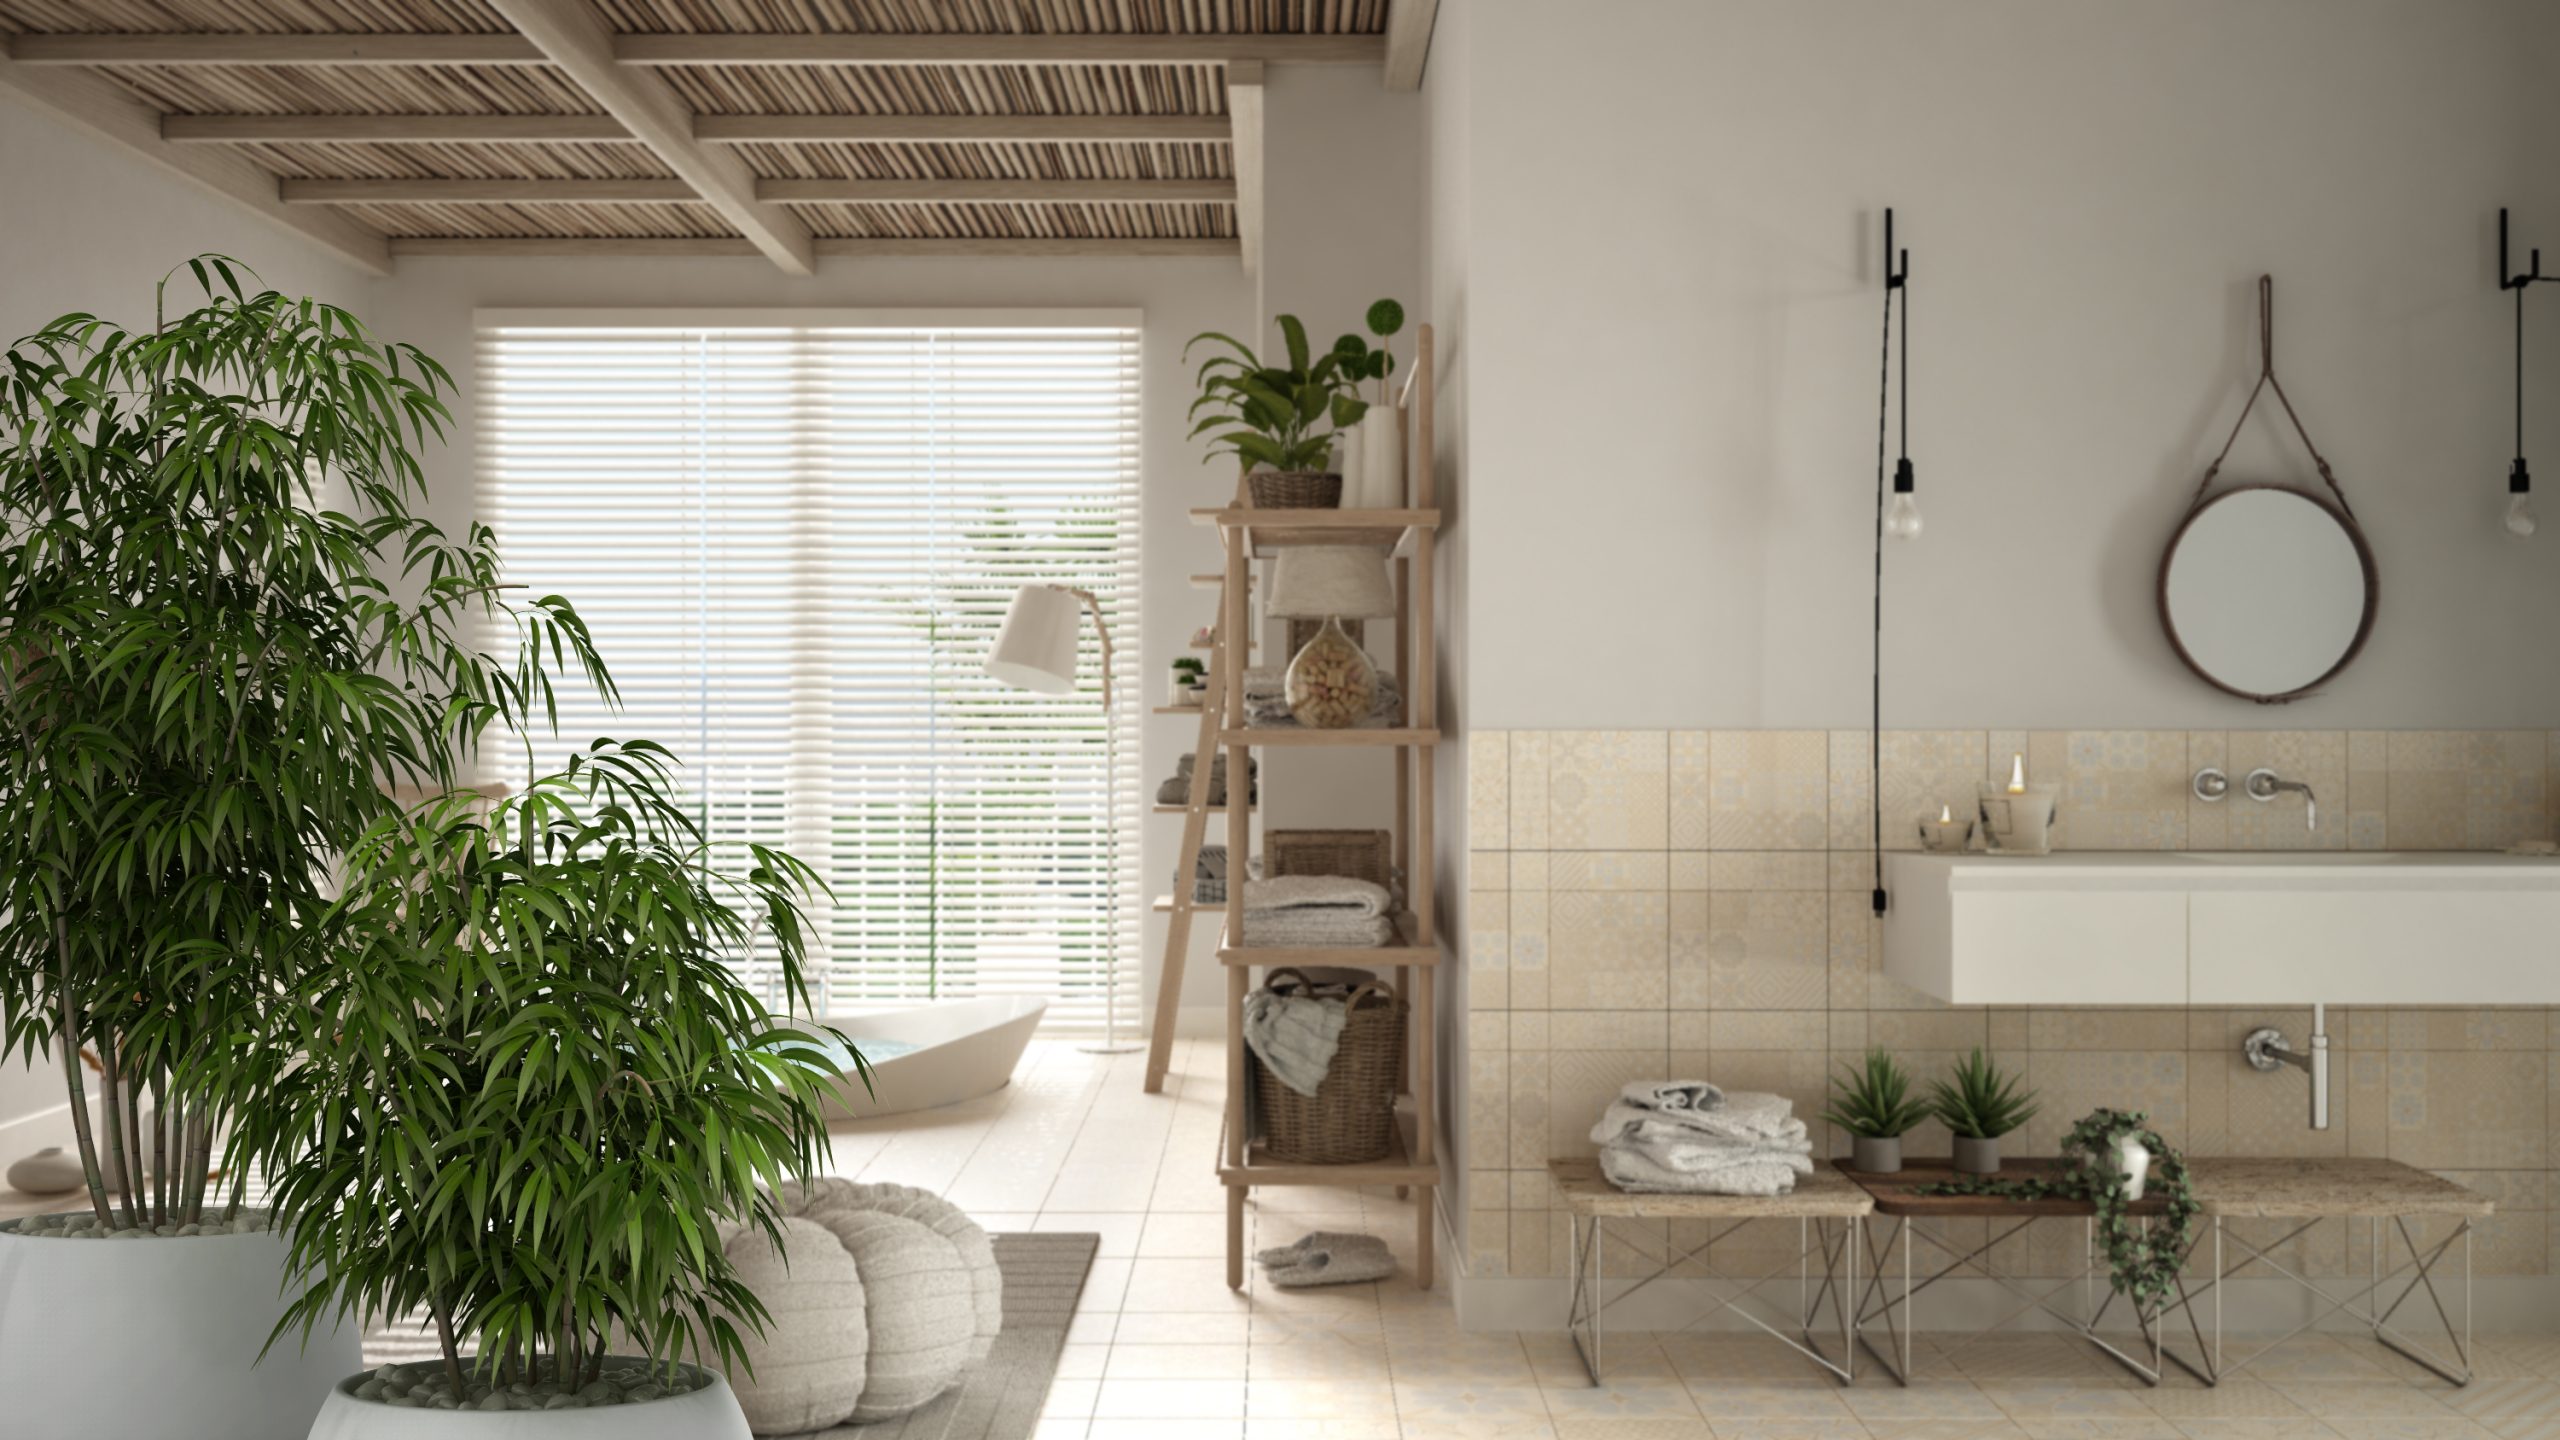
537, 1091
207, 683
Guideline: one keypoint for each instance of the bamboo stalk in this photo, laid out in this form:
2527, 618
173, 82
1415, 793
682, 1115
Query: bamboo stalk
70, 1040
133, 1180
111, 1104
443, 1312
159, 1150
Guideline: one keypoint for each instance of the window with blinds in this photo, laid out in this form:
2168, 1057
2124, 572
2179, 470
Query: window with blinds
795, 545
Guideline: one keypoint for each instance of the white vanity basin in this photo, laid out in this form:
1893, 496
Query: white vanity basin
2339, 927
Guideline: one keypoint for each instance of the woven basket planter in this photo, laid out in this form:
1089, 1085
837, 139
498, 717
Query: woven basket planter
1294, 490
1352, 1115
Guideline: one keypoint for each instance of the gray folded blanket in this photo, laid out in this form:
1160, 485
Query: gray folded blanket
1177, 791
1316, 911
1635, 1171
1655, 1137
1748, 1116
1295, 1035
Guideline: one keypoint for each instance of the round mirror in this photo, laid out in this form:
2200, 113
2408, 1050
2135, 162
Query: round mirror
2267, 591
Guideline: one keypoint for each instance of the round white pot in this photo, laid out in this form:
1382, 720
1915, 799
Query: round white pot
158, 1337
710, 1413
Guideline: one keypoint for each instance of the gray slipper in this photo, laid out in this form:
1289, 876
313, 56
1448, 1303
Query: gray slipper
1313, 1241
1337, 1267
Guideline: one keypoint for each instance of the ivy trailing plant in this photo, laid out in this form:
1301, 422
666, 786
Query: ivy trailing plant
225, 633
1983, 1102
1279, 417
1875, 1100
2144, 1263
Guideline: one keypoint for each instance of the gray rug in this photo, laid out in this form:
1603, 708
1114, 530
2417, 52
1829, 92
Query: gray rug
998, 1399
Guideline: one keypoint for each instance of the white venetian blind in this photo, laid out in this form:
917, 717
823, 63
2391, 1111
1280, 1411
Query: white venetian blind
794, 546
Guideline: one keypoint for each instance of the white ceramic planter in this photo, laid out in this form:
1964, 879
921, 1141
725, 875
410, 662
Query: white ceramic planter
158, 1337
710, 1413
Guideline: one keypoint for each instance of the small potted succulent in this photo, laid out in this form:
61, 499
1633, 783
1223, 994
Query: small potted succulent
1980, 1104
1190, 683
1279, 422
1875, 1105
531, 1102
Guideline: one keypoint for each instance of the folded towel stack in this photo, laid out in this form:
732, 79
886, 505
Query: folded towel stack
1688, 1137
1266, 699
1177, 791
1316, 910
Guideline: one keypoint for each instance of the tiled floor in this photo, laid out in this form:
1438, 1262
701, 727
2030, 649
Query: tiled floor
1162, 1350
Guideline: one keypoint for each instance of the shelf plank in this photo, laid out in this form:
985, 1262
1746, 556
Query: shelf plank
1269, 531
1185, 809
1285, 735
1191, 710
1398, 1168
1213, 582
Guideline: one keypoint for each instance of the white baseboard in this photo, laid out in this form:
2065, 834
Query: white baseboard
2506, 1303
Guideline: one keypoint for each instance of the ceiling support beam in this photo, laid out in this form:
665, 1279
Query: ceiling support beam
1244, 111
544, 247
103, 109
391, 129
1157, 49
959, 129
577, 41
999, 192
275, 50
1409, 41
488, 192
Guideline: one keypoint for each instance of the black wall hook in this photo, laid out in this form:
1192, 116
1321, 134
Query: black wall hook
2507, 279
1893, 277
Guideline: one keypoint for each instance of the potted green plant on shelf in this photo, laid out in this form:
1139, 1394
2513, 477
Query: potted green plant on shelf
534, 1101
1875, 1105
2107, 1158
1378, 438
1980, 1104
206, 685
1279, 422
1190, 681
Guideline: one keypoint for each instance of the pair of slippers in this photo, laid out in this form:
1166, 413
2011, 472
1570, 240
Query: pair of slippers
1328, 1257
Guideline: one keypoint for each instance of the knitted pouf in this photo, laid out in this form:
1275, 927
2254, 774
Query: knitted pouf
918, 1276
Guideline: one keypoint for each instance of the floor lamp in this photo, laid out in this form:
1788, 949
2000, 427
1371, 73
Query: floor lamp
1036, 650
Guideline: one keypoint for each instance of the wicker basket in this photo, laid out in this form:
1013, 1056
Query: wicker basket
1294, 489
1352, 854
1352, 1115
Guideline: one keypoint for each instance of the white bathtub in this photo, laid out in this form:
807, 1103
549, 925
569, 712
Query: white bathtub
963, 1049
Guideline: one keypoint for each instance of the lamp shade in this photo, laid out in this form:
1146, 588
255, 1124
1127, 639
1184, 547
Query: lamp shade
1036, 649
1320, 582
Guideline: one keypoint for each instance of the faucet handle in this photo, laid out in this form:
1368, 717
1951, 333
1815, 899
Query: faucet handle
2211, 784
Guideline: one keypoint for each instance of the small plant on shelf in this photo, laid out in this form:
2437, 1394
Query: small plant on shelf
1875, 1105
1980, 1103
1360, 362
1190, 680
2110, 1160
1283, 418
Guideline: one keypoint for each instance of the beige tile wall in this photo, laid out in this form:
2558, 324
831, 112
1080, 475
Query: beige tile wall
1695, 903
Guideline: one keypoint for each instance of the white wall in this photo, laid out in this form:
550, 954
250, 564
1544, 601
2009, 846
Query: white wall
1673, 316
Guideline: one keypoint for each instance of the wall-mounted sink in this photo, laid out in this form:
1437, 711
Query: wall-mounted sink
2289, 928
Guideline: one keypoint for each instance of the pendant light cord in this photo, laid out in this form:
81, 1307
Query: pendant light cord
2520, 373
1875, 725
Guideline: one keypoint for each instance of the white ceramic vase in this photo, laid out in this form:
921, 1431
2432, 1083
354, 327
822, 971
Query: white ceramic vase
710, 1413
2133, 1162
1381, 460
158, 1336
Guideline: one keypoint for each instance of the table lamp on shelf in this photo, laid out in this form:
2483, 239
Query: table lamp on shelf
1036, 651
1332, 684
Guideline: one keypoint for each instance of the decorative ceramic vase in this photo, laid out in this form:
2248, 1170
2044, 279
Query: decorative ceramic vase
1875, 1154
2133, 1162
1381, 460
1977, 1155
1331, 684
47, 1172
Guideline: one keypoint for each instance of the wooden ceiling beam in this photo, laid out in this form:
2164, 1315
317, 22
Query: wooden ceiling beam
102, 108
1409, 25
959, 129
1245, 110
275, 50
1152, 49
392, 129
998, 192
488, 192
892, 247
575, 39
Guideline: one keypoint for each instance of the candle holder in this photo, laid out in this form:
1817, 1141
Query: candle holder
2015, 820
1945, 833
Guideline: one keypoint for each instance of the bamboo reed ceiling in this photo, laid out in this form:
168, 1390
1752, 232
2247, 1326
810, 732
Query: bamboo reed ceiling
330, 144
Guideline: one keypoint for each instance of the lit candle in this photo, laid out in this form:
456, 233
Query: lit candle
1946, 815
2017, 774
1946, 833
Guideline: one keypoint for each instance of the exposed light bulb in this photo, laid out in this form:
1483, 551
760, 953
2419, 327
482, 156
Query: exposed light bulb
2520, 518
1902, 518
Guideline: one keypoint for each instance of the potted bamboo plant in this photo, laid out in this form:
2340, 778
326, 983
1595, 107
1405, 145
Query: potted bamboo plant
205, 686
1875, 1105
1979, 1105
531, 1103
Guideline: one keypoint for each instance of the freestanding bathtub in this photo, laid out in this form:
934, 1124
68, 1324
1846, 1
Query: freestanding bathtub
934, 1055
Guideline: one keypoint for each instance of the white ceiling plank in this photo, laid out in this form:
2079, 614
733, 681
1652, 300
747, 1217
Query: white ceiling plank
1408, 41
105, 110
576, 40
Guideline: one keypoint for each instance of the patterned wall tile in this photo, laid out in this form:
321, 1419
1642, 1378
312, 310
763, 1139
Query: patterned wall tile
1527, 787
1608, 790
2521, 1027
1488, 870
2473, 1110
1925, 771
2465, 789
1489, 790
2074, 1082
2368, 789
1692, 787
2120, 789
2317, 758
1488, 1109
1608, 950
1527, 972
1608, 870
1768, 950
1690, 953
1769, 790
2209, 821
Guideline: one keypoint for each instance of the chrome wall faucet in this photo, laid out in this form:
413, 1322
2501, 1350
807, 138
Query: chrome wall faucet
2264, 785
2266, 1049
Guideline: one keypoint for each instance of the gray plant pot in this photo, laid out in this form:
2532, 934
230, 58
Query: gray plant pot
1977, 1156
1876, 1154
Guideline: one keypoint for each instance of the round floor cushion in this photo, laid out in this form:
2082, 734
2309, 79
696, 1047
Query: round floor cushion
886, 1293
